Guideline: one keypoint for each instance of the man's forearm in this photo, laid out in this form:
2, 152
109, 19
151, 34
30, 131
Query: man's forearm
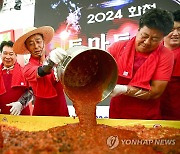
139, 93
46, 68
26, 98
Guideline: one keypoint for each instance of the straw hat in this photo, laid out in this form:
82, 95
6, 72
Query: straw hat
19, 45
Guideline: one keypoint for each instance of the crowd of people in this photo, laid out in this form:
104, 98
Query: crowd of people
148, 74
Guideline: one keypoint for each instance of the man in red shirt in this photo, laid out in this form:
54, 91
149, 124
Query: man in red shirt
48, 91
170, 103
144, 68
14, 93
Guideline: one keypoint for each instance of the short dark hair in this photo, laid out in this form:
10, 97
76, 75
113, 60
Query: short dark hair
6, 43
159, 19
176, 15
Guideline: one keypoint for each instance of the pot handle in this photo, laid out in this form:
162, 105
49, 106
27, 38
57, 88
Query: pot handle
59, 69
66, 59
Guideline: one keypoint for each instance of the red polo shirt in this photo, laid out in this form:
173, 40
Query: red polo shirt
13, 86
127, 107
170, 103
49, 94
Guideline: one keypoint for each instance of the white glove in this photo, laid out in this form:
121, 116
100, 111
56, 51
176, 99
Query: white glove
16, 108
118, 90
57, 55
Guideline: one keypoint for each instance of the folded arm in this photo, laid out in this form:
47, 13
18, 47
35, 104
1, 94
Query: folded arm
157, 88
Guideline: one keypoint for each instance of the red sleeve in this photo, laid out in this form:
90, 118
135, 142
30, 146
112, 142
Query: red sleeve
165, 65
30, 72
43, 86
116, 48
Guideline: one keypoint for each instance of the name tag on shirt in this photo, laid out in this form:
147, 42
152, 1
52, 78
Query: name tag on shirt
125, 73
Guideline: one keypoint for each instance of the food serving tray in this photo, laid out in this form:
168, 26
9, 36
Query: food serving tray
37, 123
